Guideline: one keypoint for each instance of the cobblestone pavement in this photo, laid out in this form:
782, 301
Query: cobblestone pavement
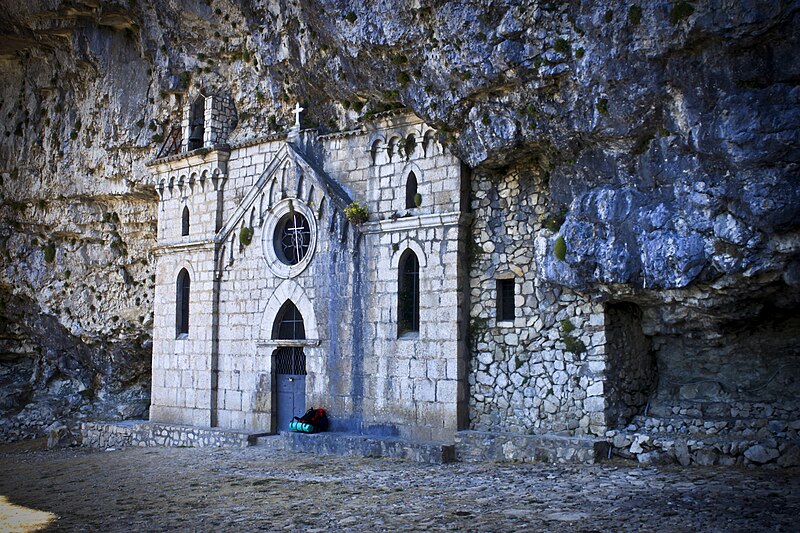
201, 489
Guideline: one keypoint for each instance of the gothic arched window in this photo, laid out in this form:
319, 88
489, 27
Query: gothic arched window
182, 304
411, 191
185, 221
427, 142
289, 323
408, 294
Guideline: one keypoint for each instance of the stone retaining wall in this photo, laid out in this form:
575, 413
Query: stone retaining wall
707, 442
123, 434
364, 446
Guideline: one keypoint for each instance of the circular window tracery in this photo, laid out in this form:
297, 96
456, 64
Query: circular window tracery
289, 237
292, 238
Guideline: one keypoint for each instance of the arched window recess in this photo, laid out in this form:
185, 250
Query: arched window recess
182, 292
412, 198
289, 323
408, 295
185, 221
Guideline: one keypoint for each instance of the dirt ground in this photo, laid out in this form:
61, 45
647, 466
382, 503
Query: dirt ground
202, 489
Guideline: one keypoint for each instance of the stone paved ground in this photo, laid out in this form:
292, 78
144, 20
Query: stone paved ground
201, 489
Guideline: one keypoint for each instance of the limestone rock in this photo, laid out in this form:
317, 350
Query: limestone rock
761, 454
676, 173
58, 435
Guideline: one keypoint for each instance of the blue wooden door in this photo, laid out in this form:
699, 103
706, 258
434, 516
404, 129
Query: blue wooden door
290, 363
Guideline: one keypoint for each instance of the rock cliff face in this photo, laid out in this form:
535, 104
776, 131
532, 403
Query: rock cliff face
667, 135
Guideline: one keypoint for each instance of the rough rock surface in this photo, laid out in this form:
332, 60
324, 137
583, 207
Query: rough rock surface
667, 134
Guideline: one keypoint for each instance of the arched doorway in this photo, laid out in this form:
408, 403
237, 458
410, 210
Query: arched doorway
290, 364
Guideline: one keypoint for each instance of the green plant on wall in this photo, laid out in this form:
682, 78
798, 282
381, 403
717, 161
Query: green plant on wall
246, 236
418, 199
356, 213
571, 344
680, 11
560, 248
602, 106
554, 220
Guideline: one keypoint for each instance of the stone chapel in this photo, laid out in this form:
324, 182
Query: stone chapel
269, 300
423, 321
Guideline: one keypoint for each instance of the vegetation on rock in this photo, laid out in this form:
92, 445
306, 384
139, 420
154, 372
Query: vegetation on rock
560, 248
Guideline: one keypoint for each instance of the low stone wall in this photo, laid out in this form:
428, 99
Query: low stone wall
143, 433
741, 410
708, 442
479, 446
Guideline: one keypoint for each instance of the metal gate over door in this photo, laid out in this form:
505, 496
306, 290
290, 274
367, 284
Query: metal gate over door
290, 364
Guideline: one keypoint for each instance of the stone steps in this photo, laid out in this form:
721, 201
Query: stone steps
724, 410
347, 444
478, 446
272, 442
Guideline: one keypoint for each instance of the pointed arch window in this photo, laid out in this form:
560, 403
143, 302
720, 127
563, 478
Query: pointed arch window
182, 304
289, 323
408, 294
411, 191
185, 221
427, 142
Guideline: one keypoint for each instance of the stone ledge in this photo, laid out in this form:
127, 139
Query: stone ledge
479, 446
145, 433
346, 444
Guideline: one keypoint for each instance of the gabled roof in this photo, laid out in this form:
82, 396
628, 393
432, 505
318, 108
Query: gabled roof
291, 158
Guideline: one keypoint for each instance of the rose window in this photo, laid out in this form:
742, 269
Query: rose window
292, 238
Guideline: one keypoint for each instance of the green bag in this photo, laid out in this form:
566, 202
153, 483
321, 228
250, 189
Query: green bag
296, 425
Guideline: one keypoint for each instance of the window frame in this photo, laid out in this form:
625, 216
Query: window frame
505, 302
281, 319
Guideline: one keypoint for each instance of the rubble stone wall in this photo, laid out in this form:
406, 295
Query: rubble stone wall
545, 370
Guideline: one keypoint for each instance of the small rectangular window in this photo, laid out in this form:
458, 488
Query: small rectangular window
505, 300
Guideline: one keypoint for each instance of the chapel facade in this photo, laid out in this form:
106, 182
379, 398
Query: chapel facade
427, 318
269, 300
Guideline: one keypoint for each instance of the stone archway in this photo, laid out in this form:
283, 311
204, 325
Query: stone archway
288, 290
292, 362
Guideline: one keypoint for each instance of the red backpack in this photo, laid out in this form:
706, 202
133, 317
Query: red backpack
316, 418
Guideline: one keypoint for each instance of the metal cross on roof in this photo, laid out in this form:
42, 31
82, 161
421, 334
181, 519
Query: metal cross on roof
297, 110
